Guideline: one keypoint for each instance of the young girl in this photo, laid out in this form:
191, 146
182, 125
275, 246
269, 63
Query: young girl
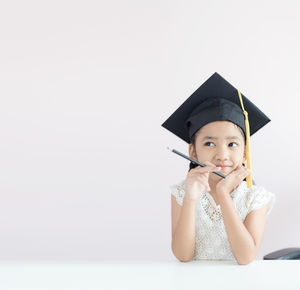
217, 218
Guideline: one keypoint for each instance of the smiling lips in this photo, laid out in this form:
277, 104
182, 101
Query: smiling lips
222, 166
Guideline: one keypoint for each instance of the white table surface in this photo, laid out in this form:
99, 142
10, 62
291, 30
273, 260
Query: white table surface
260, 274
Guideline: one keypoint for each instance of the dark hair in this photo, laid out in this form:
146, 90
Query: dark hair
193, 141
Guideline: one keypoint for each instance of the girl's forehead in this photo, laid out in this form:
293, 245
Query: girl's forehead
221, 129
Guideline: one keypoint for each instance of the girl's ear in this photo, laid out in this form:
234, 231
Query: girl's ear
192, 151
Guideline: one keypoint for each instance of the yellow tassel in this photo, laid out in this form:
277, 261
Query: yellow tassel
248, 155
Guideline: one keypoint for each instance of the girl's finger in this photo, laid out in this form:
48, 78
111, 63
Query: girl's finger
209, 168
207, 187
248, 171
244, 169
208, 163
245, 172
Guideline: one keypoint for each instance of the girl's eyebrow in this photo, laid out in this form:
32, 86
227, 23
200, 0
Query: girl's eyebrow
215, 138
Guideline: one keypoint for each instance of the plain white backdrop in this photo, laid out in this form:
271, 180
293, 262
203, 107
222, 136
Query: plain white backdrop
85, 173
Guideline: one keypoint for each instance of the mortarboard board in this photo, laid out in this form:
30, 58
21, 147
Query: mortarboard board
216, 100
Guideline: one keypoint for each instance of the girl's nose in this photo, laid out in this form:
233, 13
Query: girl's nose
222, 153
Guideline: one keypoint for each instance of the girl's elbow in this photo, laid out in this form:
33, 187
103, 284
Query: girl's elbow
184, 260
245, 261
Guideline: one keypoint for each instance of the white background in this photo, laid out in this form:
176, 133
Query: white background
84, 89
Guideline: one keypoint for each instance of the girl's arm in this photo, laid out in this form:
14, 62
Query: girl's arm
244, 238
183, 229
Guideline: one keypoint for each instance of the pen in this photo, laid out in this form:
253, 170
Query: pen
194, 161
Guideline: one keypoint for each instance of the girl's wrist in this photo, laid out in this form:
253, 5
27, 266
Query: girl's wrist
222, 192
189, 201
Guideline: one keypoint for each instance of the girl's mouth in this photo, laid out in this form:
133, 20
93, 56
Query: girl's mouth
223, 166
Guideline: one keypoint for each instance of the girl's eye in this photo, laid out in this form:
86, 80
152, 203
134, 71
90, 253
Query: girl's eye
208, 143
233, 143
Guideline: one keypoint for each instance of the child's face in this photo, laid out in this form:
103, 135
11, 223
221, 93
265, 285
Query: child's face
221, 143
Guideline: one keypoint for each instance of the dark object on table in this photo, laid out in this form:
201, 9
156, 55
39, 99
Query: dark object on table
284, 254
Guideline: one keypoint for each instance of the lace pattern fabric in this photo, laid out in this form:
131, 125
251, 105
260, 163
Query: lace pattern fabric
211, 237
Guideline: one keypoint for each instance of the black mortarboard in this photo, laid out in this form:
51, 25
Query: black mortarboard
216, 100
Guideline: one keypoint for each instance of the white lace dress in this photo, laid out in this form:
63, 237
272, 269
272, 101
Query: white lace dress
211, 237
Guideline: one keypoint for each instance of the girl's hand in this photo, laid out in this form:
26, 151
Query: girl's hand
197, 180
232, 180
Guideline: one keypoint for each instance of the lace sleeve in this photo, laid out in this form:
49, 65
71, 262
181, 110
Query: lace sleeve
261, 197
178, 191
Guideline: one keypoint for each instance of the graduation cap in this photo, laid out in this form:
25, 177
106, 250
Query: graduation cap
217, 100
